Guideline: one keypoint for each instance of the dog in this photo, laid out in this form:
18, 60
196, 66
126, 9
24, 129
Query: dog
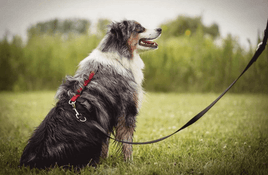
72, 132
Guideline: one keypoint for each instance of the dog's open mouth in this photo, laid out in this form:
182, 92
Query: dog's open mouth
147, 43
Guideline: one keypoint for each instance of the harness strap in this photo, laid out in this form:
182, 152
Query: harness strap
259, 50
73, 100
80, 90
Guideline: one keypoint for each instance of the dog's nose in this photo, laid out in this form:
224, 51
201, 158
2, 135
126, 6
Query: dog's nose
159, 30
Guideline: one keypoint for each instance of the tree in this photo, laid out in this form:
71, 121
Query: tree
11, 62
188, 25
76, 26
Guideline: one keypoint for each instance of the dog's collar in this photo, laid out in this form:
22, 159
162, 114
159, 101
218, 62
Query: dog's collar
79, 91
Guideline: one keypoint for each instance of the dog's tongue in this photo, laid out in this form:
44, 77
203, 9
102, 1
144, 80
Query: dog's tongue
149, 42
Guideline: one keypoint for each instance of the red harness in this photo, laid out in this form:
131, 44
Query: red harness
80, 90
72, 101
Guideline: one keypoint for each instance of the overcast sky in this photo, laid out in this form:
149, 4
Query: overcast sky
242, 18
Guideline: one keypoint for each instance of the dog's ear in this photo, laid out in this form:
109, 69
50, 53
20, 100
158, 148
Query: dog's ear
116, 30
126, 24
113, 31
112, 28
125, 29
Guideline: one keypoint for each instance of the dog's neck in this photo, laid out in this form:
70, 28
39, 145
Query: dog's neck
111, 44
122, 64
135, 65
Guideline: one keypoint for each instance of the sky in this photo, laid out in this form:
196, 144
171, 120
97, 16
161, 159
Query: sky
241, 18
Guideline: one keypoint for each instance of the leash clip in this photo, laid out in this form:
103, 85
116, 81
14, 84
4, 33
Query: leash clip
77, 115
72, 101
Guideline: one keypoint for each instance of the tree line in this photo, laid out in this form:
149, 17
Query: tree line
188, 58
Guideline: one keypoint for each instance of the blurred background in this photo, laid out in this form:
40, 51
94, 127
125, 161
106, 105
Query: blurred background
204, 46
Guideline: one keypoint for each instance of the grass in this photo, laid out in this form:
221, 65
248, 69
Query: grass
232, 138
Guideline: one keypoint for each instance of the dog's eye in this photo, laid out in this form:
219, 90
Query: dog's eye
139, 28
142, 29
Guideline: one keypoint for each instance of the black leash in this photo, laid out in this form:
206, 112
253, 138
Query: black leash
259, 50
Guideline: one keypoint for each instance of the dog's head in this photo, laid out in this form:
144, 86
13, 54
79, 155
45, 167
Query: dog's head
129, 37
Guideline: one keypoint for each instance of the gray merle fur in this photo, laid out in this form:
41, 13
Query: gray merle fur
63, 140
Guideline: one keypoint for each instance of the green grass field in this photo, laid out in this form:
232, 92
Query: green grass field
232, 138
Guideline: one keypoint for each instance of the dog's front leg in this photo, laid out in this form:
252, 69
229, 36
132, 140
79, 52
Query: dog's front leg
125, 133
105, 147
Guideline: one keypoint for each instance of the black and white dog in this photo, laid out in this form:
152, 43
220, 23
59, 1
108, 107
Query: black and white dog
111, 101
